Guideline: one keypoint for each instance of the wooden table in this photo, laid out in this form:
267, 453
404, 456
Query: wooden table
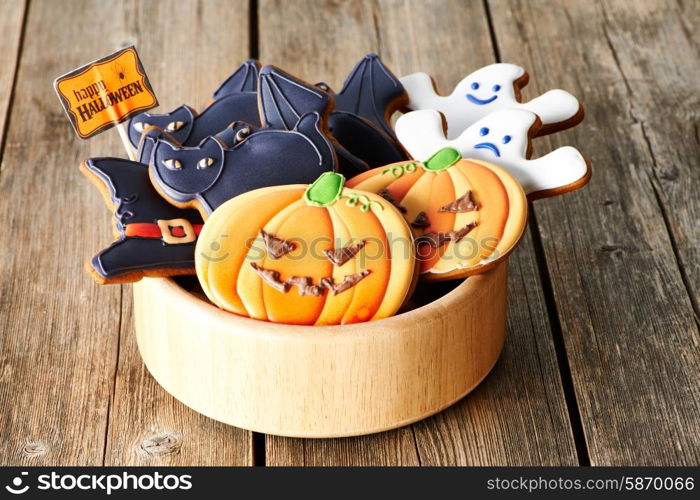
601, 362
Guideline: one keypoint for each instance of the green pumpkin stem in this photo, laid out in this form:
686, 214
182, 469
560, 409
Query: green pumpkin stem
325, 190
443, 159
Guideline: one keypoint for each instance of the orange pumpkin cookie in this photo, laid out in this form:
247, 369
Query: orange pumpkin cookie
310, 255
467, 215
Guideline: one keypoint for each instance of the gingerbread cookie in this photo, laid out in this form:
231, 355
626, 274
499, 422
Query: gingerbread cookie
467, 215
504, 138
154, 238
235, 99
490, 89
311, 255
210, 174
284, 99
361, 118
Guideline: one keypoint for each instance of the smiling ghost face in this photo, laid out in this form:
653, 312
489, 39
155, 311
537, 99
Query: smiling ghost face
491, 84
484, 91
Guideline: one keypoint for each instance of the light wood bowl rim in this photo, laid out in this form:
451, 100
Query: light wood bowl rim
255, 327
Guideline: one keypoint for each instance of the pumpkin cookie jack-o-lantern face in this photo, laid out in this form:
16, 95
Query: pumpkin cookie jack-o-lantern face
310, 255
467, 215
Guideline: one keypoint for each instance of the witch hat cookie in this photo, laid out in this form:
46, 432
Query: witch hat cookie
154, 238
318, 254
235, 99
488, 89
360, 120
504, 138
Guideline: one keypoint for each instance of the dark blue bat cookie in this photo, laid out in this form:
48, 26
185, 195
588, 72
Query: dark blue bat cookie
284, 110
363, 109
154, 238
235, 99
293, 147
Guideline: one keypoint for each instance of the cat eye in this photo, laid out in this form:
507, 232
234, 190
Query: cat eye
172, 164
174, 126
205, 163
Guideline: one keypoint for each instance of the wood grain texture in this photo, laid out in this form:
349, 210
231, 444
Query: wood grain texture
422, 36
205, 42
149, 427
11, 24
57, 365
663, 99
627, 320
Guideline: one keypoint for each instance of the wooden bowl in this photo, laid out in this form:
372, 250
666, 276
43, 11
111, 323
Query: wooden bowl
321, 381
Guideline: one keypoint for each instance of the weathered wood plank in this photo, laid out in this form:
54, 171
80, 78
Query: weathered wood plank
663, 98
627, 320
11, 24
58, 334
518, 415
148, 426
507, 420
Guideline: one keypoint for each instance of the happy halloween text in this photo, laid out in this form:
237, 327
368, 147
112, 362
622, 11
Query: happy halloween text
103, 99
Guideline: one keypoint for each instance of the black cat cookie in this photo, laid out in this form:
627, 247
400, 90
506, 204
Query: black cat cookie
235, 99
235, 106
292, 147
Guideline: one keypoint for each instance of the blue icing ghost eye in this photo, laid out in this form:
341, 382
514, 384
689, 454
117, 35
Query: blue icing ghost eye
475, 86
496, 88
483, 131
506, 139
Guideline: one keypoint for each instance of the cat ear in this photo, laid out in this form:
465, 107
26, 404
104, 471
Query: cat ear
244, 79
421, 133
284, 99
309, 125
177, 123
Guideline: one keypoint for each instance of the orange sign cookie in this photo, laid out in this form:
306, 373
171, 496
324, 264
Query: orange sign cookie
311, 255
104, 93
467, 215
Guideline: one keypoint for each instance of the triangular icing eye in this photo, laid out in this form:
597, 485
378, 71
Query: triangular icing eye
205, 163
172, 164
339, 256
174, 126
141, 126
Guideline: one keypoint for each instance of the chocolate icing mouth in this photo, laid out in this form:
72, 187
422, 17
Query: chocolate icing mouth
305, 284
437, 239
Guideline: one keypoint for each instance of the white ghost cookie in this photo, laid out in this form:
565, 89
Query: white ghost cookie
503, 137
489, 89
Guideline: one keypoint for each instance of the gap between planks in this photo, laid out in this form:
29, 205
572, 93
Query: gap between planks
555, 325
